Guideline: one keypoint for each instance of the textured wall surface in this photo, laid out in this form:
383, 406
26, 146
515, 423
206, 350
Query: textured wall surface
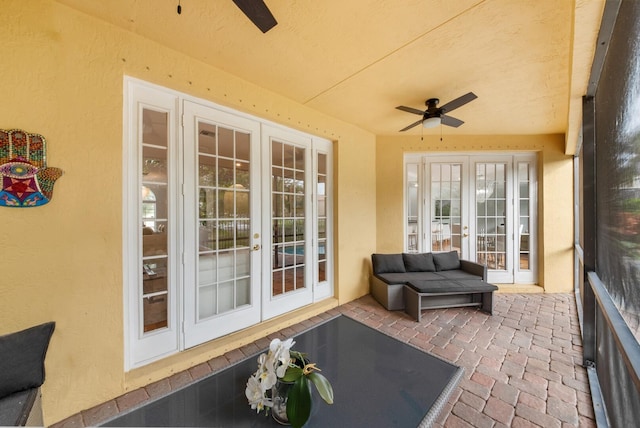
63, 261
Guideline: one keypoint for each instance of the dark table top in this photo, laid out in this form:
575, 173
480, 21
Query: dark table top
377, 380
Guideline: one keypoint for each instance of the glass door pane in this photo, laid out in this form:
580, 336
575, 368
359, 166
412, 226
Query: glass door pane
322, 218
224, 265
491, 214
524, 207
446, 203
155, 178
288, 219
412, 207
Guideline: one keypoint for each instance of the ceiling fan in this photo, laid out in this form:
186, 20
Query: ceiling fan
434, 115
258, 12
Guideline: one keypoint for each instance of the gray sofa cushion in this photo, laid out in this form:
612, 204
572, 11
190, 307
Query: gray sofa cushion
387, 263
422, 262
458, 274
449, 286
446, 261
22, 358
403, 278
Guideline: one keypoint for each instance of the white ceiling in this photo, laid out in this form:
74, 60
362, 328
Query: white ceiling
528, 61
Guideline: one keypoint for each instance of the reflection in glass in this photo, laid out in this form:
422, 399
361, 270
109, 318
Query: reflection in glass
154, 294
243, 292
207, 138
445, 228
154, 201
288, 222
524, 189
225, 143
491, 220
154, 127
207, 170
224, 232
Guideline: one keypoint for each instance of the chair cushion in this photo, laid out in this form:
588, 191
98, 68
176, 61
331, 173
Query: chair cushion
22, 358
387, 263
446, 261
422, 262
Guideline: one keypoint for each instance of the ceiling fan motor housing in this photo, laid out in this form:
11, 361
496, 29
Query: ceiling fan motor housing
432, 108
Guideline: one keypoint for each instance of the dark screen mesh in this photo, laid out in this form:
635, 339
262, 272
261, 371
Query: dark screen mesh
617, 104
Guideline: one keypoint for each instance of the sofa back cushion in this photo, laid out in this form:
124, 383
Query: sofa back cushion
387, 263
446, 261
421, 262
22, 358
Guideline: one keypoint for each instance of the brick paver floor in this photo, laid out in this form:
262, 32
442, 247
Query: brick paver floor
522, 365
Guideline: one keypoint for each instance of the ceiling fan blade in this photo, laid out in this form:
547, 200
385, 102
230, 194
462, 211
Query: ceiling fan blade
458, 102
258, 12
410, 110
416, 123
450, 121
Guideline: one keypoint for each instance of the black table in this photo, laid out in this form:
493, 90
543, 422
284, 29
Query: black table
377, 380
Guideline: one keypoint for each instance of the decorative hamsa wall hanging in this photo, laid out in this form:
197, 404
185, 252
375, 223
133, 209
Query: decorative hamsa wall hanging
26, 179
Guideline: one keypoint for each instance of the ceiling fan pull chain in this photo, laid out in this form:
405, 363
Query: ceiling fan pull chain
179, 8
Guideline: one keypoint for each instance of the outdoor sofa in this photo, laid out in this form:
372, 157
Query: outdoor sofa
417, 281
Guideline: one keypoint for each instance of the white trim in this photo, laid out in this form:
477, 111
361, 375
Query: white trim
141, 348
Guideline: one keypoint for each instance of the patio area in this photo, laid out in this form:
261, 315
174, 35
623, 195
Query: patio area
522, 365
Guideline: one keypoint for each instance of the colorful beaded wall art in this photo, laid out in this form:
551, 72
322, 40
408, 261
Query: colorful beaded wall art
26, 179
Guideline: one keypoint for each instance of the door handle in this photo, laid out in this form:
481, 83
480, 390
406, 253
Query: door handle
465, 235
256, 247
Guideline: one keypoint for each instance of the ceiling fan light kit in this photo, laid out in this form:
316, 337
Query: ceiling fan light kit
434, 115
431, 122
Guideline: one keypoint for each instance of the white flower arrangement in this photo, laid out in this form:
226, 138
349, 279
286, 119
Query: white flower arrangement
281, 363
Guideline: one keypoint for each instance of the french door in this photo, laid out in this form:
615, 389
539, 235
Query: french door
481, 206
222, 194
227, 221
287, 156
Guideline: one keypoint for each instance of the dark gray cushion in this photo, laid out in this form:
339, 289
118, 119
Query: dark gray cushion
446, 261
458, 274
387, 263
452, 287
421, 262
22, 358
403, 278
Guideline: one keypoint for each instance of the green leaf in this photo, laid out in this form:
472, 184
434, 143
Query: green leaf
322, 385
292, 374
299, 402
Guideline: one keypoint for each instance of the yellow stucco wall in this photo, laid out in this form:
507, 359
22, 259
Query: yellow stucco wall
63, 78
555, 193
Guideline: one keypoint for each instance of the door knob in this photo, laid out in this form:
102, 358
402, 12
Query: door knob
256, 247
465, 235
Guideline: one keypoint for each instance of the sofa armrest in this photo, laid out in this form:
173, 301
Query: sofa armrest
474, 268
